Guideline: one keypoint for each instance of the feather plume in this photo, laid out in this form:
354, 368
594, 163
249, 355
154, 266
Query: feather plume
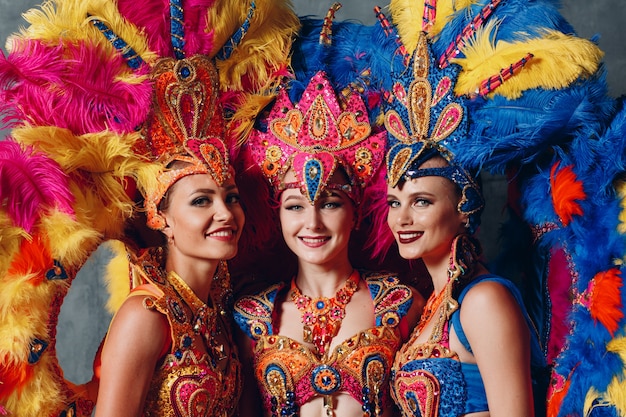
10, 240
256, 67
407, 16
263, 52
153, 18
31, 184
558, 60
605, 299
98, 165
566, 189
117, 277
74, 240
34, 257
80, 91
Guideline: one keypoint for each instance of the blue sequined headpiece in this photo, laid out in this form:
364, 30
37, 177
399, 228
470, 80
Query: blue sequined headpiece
423, 122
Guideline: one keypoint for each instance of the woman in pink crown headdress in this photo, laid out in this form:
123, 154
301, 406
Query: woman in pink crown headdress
323, 342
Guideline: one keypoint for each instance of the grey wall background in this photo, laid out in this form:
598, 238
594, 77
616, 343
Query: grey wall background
83, 320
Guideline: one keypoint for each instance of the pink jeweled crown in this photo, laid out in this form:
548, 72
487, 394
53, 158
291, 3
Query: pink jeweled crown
314, 137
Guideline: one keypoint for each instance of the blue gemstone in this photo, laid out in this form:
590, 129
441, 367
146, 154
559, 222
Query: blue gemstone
185, 72
320, 305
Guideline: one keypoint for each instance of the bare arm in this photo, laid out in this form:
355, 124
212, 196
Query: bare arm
500, 340
135, 340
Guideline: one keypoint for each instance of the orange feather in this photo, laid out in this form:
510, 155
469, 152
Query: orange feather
566, 189
34, 257
606, 303
13, 375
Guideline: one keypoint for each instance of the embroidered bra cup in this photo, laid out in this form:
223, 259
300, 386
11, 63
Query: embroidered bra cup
290, 374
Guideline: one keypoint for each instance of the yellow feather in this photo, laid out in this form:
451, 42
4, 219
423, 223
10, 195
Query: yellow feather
265, 47
407, 17
252, 68
117, 276
68, 21
558, 61
10, 240
74, 241
99, 165
44, 396
620, 186
615, 394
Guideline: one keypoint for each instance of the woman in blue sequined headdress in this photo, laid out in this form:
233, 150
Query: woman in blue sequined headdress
471, 350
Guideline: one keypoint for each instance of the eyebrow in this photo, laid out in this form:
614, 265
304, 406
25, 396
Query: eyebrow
297, 197
212, 191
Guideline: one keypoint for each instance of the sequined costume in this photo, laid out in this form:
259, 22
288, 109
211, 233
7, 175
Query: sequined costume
290, 374
197, 376
439, 385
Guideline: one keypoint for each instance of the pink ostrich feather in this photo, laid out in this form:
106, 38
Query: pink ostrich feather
154, 19
71, 86
30, 184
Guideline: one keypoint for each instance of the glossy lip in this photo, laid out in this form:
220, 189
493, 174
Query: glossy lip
224, 234
314, 241
407, 237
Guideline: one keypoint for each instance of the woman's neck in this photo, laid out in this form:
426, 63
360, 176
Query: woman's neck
322, 280
438, 271
197, 274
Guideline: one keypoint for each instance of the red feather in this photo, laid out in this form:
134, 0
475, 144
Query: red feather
566, 189
30, 184
606, 302
13, 375
34, 257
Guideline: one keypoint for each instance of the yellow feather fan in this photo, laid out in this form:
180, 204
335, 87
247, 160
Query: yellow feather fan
558, 60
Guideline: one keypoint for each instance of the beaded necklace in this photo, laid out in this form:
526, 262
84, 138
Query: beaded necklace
322, 316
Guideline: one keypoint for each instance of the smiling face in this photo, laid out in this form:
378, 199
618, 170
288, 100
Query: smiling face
318, 234
204, 220
424, 218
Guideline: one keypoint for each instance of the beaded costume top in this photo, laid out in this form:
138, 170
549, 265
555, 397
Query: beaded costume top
291, 374
428, 380
191, 379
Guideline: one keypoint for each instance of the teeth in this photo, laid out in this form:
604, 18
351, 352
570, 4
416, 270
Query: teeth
311, 240
224, 233
408, 235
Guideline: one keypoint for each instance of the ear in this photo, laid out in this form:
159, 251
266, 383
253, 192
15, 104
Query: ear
166, 229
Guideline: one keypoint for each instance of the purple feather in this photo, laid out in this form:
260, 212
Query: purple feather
30, 184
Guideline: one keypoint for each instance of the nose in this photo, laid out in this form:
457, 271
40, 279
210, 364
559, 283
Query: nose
401, 215
223, 213
313, 221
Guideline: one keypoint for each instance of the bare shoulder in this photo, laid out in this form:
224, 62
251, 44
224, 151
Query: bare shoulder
136, 324
489, 308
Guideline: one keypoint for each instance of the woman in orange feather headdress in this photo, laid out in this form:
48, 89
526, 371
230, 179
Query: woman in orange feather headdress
105, 98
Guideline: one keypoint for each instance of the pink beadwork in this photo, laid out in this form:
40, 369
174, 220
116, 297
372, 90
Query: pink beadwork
315, 136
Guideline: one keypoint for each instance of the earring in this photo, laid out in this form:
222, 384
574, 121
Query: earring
463, 256
467, 223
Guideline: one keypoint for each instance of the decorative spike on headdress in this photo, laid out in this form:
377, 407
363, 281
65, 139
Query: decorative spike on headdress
238, 36
455, 48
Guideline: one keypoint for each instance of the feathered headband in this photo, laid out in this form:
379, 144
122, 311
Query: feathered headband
318, 134
424, 119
